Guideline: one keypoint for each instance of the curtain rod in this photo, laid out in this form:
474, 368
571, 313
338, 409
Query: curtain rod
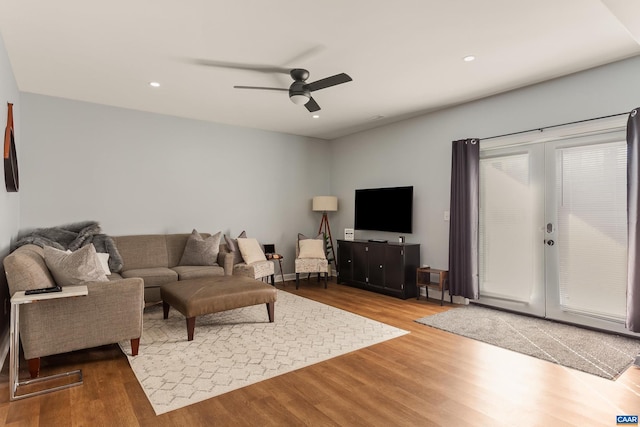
553, 126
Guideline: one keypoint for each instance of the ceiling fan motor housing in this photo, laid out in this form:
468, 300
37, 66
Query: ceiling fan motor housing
299, 74
298, 92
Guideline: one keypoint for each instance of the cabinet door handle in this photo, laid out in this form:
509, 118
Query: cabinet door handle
380, 265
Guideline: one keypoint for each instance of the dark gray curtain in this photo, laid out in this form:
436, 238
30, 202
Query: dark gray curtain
463, 225
633, 200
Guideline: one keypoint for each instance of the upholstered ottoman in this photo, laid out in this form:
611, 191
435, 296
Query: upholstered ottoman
196, 297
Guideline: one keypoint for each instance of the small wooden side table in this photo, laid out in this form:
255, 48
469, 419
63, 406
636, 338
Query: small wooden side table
279, 258
423, 280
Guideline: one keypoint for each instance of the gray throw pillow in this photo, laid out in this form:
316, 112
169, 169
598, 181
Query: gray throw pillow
74, 268
232, 245
199, 251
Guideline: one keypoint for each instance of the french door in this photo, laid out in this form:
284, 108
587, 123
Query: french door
553, 229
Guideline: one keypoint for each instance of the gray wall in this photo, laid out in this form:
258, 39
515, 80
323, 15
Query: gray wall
9, 202
142, 173
418, 151
145, 173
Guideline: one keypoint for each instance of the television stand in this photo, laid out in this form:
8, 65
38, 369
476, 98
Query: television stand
378, 240
388, 268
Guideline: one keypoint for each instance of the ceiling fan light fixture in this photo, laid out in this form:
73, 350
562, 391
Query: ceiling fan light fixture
299, 98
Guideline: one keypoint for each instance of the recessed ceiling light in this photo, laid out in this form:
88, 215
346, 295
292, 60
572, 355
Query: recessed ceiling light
469, 58
154, 84
316, 116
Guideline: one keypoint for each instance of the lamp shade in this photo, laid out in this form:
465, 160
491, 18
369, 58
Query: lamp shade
325, 203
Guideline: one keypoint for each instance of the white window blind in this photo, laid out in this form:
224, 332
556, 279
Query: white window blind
592, 229
509, 261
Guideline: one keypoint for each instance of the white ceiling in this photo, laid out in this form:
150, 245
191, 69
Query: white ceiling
405, 56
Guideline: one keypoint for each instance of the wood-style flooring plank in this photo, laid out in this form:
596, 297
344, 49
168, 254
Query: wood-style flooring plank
428, 377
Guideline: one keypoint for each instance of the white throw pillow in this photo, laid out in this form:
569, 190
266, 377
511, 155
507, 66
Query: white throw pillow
104, 262
311, 248
251, 250
74, 268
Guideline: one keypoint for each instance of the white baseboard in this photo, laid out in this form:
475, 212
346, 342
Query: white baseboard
435, 294
291, 276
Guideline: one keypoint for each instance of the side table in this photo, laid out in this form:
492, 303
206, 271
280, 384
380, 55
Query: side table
423, 280
17, 300
279, 258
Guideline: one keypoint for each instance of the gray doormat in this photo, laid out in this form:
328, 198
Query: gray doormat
597, 353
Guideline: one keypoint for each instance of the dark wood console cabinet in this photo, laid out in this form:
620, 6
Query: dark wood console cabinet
388, 268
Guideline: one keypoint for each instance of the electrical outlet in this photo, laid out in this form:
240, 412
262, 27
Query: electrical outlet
446, 215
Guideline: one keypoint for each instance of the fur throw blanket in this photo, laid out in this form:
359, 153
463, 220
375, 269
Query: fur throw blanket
74, 236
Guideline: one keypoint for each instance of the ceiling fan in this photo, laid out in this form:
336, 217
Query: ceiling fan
300, 90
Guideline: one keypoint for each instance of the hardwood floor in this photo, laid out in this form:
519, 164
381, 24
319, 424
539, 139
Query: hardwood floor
427, 377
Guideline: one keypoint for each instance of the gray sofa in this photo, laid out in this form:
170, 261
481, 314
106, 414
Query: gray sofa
156, 257
111, 312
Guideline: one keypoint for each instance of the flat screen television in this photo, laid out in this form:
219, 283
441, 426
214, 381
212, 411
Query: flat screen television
384, 209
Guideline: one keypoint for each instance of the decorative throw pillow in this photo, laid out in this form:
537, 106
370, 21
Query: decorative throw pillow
311, 248
251, 250
303, 237
74, 268
104, 262
103, 259
232, 245
199, 251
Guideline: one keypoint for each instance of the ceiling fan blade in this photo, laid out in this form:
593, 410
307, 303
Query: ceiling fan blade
306, 55
240, 66
260, 87
312, 105
329, 81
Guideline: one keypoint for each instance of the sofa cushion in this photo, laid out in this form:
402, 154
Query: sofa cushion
232, 246
311, 265
201, 251
143, 251
251, 250
154, 276
311, 248
186, 272
74, 268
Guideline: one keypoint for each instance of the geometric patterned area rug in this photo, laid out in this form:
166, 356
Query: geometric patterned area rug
597, 353
236, 348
